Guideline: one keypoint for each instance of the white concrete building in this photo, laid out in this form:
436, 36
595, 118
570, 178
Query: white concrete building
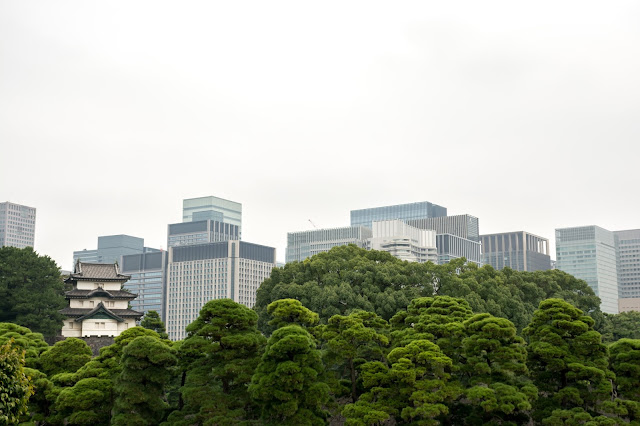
17, 225
197, 274
98, 306
404, 242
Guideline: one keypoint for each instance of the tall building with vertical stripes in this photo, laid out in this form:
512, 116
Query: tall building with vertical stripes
303, 244
457, 236
199, 273
589, 253
404, 212
520, 251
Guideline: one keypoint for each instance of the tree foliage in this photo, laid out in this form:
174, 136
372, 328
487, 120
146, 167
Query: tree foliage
31, 290
218, 359
288, 383
152, 321
567, 360
15, 386
140, 387
342, 280
352, 340
66, 356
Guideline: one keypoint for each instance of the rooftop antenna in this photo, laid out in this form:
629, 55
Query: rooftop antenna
314, 225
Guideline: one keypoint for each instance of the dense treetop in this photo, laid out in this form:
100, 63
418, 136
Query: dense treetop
31, 290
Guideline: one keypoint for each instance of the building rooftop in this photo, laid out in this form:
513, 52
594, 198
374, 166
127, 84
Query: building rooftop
97, 271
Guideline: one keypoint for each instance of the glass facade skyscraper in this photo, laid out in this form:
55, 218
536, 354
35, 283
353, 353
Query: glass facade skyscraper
147, 280
421, 210
111, 248
589, 253
201, 232
212, 208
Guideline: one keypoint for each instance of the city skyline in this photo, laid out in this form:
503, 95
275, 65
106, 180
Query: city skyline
447, 102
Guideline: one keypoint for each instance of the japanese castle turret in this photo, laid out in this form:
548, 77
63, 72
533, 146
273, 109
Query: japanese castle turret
98, 306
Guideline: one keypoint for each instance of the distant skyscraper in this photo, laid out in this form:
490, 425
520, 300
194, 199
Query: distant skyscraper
17, 225
464, 225
111, 248
304, 244
212, 208
628, 249
520, 251
201, 232
405, 212
589, 253
147, 271
404, 242
199, 273
457, 236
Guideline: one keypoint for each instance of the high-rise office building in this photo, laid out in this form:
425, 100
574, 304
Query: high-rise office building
111, 248
589, 253
457, 236
147, 272
201, 232
304, 244
404, 242
405, 212
520, 251
212, 208
628, 249
17, 225
197, 274
463, 225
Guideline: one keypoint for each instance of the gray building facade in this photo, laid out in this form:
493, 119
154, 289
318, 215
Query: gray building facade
520, 251
405, 212
304, 244
589, 253
628, 249
148, 273
457, 236
17, 225
111, 248
201, 232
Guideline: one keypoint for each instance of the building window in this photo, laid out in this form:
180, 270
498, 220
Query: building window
71, 324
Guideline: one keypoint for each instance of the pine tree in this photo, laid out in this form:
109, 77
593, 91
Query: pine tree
15, 386
567, 361
152, 321
140, 388
288, 382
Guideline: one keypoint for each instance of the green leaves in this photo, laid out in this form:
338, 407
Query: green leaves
15, 386
31, 290
288, 382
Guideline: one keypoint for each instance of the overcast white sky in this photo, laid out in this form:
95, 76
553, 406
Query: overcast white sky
524, 114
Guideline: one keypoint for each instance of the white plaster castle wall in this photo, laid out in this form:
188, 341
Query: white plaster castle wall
88, 285
93, 302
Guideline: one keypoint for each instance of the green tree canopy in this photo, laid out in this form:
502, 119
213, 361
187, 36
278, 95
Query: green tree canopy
495, 372
15, 386
32, 343
288, 382
625, 363
344, 279
290, 311
625, 325
218, 359
153, 322
414, 390
31, 290
352, 340
567, 361
140, 388
66, 356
